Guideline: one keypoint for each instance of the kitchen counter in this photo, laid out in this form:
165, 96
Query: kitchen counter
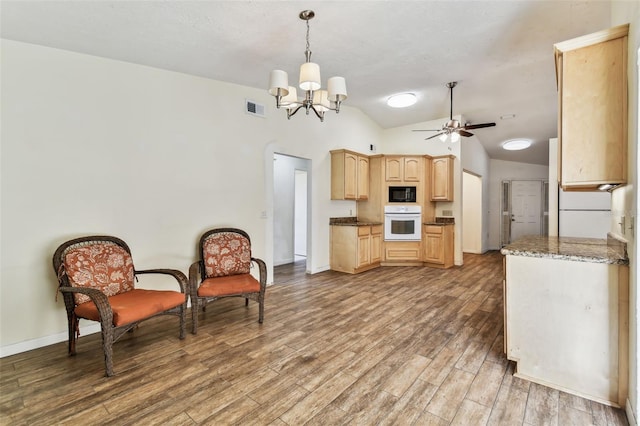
350, 221
593, 250
441, 221
566, 302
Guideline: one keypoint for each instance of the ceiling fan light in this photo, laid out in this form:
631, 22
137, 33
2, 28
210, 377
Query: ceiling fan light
309, 76
516, 144
401, 100
443, 137
455, 137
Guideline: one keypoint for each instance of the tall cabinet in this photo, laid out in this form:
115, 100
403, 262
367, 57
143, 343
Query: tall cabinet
592, 94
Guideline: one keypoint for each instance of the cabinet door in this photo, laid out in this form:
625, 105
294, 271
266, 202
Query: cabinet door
593, 113
433, 248
350, 176
363, 178
412, 169
442, 179
364, 255
376, 243
393, 169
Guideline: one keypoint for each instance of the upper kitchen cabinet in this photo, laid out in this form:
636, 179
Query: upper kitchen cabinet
349, 175
592, 91
403, 169
442, 178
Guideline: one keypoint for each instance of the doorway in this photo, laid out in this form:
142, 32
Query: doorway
471, 213
291, 189
522, 209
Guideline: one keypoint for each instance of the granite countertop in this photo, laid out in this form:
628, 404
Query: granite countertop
350, 221
594, 250
441, 221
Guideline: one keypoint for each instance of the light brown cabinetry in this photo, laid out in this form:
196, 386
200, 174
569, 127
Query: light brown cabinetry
349, 175
592, 124
438, 245
355, 249
403, 169
442, 178
402, 252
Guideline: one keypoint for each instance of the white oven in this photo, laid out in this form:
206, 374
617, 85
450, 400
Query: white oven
402, 223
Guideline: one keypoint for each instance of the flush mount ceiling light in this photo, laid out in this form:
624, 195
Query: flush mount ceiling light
315, 99
401, 100
516, 144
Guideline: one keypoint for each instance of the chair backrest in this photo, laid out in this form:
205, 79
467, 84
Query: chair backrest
99, 262
225, 251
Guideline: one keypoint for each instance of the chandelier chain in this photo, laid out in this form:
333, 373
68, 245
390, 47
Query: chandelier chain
308, 51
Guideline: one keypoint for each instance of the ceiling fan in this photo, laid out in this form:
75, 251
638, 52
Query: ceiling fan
453, 126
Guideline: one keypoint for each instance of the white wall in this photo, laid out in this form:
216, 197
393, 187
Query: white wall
472, 217
625, 201
507, 170
92, 145
476, 160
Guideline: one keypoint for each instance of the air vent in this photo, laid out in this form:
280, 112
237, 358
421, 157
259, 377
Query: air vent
253, 108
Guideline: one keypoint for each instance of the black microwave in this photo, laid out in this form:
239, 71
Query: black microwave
402, 194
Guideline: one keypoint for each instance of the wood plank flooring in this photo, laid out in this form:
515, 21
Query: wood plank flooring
391, 346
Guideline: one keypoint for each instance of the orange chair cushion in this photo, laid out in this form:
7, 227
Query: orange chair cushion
134, 305
104, 266
227, 286
226, 253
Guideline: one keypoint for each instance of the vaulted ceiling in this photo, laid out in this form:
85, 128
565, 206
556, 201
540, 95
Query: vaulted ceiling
499, 52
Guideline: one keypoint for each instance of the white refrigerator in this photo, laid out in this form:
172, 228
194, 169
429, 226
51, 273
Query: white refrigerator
584, 214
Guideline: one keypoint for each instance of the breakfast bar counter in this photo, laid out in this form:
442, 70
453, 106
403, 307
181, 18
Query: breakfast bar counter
594, 250
566, 305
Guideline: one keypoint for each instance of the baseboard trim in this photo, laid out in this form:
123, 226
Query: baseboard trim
29, 345
631, 418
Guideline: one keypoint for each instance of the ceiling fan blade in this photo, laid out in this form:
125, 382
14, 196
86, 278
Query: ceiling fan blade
426, 130
431, 137
464, 133
479, 126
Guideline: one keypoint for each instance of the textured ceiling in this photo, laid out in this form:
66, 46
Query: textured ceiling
500, 52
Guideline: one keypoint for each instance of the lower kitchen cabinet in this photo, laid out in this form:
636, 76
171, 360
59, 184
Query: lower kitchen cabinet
355, 248
438, 245
402, 252
566, 325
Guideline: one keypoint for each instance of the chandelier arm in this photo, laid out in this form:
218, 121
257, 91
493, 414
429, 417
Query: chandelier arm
320, 114
291, 113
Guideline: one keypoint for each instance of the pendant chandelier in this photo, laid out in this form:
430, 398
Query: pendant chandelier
315, 99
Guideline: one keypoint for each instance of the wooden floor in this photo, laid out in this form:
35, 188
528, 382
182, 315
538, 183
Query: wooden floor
404, 345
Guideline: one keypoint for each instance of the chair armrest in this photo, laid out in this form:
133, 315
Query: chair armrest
178, 275
97, 297
194, 275
263, 272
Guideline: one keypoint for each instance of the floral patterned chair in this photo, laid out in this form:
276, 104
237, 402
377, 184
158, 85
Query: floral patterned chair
96, 278
224, 271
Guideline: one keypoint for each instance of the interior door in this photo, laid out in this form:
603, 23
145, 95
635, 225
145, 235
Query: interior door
526, 208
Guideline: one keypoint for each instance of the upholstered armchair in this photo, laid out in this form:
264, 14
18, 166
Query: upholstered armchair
96, 277
223, 270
